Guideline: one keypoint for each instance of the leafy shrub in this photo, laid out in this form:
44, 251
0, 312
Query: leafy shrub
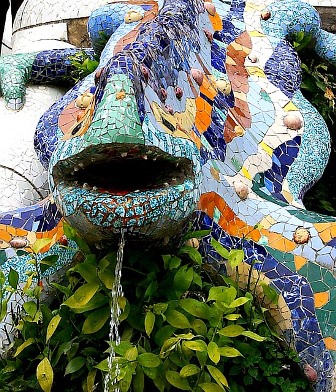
183, 326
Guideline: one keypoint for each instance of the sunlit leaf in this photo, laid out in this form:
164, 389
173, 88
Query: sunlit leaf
149, 322
189, 370
229, 352
53, 324
213, 352
45, 375
24, 345
39, 244
194, 307
219, 248
210, 387
231, 331
196, 345
236, 257
149, 360
253, 336
217, 375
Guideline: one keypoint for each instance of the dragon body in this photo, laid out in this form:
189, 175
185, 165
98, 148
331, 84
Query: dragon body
194, 114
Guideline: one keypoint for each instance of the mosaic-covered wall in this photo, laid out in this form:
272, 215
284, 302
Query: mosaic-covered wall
194, 114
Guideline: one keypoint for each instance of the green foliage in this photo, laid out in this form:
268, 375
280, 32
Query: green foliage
83, 65
183, 326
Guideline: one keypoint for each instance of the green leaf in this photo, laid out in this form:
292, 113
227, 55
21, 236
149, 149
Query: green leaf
149, 322
149, 360
90, 380
196, 234
45, 375
48, 262
103, 366
194, 307
270, 292
183, 279
199, 327
88, 272
232, 316
193, 253
218, 376
219, 248
138, 380
131, 354
24, 345
82, 295
238, 302
171, 262
236, 257
177, 381
177, 319
231, 331
229, 352
96, 320
39, 244
52, 326
253, 336
169, 345
74, 365
13, 278
107, 277
30, 307
2, 278
63, 289
211, 387
160, 308
213, 352
189, 370
196, 345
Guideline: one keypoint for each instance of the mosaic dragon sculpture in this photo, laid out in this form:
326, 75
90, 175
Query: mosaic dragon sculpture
194, 114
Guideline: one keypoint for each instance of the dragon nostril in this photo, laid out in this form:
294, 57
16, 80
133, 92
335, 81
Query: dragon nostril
266, 14
178, 92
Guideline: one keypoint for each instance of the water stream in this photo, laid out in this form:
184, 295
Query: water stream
114, 337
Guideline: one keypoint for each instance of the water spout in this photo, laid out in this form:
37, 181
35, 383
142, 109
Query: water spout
114, 337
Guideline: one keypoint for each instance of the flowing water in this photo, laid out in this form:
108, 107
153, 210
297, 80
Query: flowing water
114, 337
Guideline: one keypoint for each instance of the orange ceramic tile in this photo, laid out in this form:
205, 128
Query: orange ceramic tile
5, 236
207, 88
203, 114
330, 343
299, 261
321, 299
21, 232
195, 139
216, 22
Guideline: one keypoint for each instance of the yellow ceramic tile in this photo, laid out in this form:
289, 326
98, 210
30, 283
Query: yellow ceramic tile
246, 173
267, 148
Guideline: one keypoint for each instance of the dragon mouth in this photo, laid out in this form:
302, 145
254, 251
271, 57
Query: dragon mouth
122, 171
145, 192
